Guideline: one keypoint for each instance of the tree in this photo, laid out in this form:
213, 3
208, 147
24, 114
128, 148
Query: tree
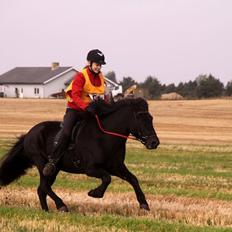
153, 86
229, 88
111, 76
187, 89
170, 88
208, 86
127, 82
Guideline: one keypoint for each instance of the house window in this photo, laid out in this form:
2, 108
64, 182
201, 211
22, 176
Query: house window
36, 90
21, 90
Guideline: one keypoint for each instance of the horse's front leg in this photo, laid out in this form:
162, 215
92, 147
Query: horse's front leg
104, 176
125, 174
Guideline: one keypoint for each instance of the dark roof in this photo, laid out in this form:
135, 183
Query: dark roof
30, 75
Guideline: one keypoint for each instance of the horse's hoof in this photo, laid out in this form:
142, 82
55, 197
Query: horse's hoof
144, 206
63, 209
95, 194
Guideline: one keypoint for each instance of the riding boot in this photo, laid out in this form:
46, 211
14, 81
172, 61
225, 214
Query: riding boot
58, 147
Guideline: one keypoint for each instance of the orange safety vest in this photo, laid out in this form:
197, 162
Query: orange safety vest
88, 88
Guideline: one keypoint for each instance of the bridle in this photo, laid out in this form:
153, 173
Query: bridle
139, 137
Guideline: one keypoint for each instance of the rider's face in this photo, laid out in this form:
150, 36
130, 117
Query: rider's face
96, 67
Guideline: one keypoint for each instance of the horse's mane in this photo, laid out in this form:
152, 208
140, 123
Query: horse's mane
104, 108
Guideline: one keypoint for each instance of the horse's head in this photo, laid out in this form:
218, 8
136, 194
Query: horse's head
139, 121
142, 128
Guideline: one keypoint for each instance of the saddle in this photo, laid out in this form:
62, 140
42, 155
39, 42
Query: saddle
71, 146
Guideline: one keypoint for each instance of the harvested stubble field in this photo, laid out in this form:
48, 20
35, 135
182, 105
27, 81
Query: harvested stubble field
187, 180
177, 122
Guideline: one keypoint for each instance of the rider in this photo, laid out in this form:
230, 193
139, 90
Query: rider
87, 83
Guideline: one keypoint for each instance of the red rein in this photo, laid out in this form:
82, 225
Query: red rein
112, 133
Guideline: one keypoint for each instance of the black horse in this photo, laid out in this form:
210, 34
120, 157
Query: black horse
96, 153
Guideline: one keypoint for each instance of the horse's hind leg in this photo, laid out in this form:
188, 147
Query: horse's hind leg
45, 189
125, 174
104, 176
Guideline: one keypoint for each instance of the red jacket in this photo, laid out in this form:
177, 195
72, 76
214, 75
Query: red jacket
77, 87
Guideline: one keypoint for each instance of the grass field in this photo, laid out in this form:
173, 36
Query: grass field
187, 180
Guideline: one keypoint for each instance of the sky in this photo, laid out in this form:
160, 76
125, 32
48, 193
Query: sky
172, 40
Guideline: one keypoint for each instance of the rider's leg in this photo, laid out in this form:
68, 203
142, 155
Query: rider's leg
61, 142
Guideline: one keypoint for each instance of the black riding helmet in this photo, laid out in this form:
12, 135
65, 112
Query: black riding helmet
96, 56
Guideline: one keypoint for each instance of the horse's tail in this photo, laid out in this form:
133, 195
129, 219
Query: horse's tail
14, 163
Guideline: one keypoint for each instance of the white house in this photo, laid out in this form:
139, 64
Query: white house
41, 82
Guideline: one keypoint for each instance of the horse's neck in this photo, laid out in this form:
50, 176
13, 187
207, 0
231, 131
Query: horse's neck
119, 121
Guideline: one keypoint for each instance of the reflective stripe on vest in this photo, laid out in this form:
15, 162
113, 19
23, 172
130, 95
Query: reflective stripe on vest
88, 88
